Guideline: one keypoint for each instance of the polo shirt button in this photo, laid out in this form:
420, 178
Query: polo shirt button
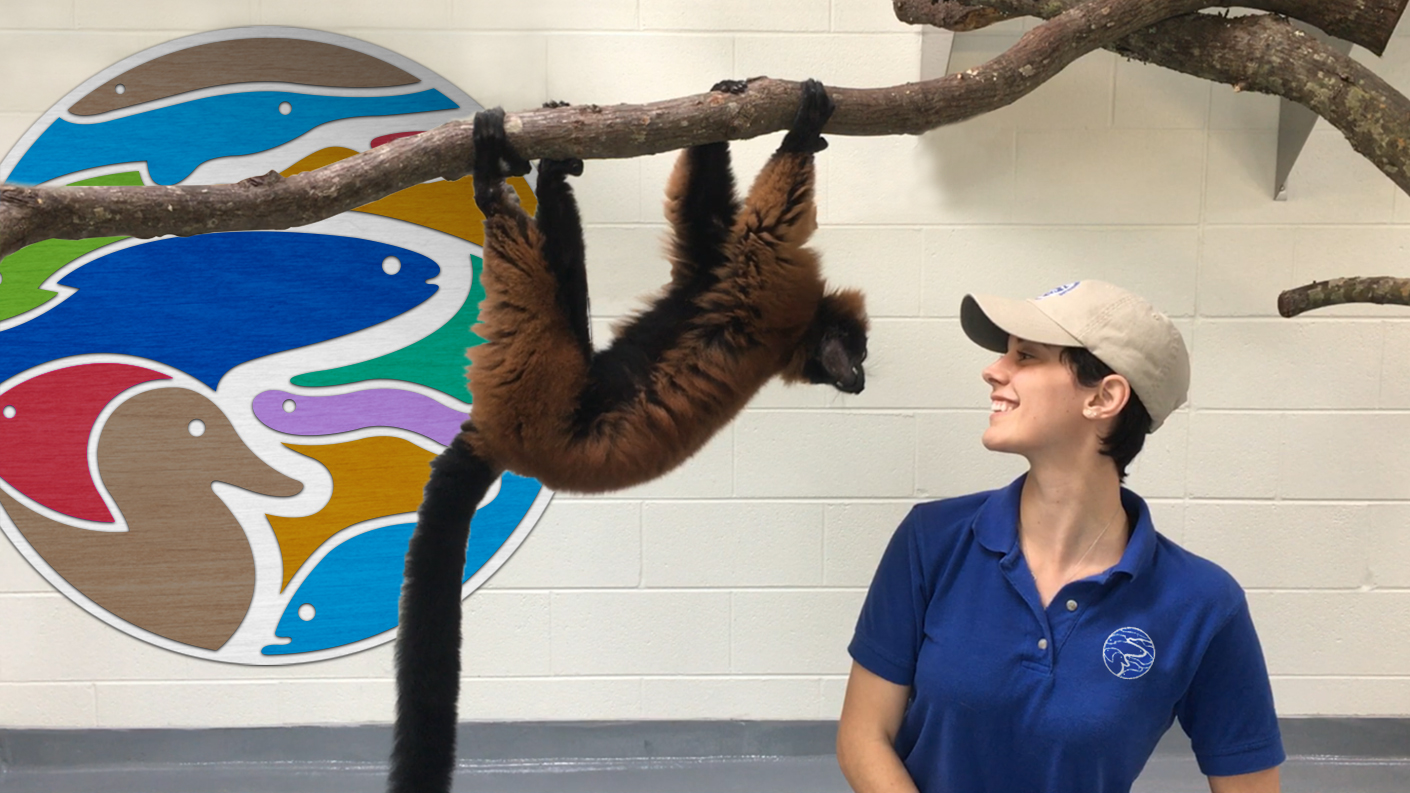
1042, 644
1071, 605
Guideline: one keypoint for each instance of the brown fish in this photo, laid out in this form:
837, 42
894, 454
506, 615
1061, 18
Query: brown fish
184, 568
241, 61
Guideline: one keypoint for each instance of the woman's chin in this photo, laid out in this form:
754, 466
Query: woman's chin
993, 440
1001, 438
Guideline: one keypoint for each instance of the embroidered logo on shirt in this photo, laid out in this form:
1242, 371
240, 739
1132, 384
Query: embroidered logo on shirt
1128, 653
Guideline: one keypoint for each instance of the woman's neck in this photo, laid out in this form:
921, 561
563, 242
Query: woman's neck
1071, 524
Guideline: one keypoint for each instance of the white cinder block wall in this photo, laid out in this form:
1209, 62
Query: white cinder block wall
729, 588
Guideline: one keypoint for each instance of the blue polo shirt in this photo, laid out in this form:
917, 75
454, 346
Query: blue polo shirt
1009, 697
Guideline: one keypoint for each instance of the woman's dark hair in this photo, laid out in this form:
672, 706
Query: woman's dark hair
1132, 425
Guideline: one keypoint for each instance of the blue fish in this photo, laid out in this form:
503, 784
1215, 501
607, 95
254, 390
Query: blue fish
175, 140
209, 303
354, 591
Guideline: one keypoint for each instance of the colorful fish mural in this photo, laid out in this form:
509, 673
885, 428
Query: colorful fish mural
216, 444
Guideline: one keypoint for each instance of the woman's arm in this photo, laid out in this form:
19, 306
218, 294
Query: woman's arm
1257, 782
866, 734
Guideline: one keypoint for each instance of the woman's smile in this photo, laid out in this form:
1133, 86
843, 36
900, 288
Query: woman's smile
999, 405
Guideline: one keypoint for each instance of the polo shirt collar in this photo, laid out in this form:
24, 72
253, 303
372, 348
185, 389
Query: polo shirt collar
995, 526
996, 523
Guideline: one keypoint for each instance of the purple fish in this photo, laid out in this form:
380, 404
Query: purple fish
296, 414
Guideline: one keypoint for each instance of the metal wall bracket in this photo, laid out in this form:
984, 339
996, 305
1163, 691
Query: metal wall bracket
935, 45
1295, 122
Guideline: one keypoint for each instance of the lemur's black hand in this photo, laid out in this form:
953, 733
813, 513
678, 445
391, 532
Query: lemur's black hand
570, 167
494, 158
805, 137
730, 87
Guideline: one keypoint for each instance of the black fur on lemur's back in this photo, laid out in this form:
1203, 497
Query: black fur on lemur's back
746, 302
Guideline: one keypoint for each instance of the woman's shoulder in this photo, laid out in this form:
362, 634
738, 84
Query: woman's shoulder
960, 508
945, 521
1197, 577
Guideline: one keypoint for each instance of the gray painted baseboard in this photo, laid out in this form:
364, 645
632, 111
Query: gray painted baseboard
506, 742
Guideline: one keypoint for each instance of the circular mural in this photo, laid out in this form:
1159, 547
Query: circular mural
217, 444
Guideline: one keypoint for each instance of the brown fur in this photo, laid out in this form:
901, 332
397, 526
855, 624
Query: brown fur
528, 377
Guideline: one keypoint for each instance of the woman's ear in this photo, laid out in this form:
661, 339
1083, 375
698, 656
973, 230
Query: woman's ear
1109, 398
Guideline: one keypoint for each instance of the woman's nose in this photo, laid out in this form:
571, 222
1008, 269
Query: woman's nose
995, 372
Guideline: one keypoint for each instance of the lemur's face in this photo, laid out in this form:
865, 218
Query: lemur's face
837, 359
837, 342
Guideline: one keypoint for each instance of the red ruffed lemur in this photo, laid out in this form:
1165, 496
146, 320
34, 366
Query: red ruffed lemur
746, 301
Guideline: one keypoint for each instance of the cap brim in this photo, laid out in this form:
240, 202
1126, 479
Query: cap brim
989, 320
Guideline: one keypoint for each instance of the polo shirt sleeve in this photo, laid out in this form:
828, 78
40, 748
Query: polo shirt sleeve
891, 626
1228, 710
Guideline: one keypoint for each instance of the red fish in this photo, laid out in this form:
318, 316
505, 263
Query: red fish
45, 424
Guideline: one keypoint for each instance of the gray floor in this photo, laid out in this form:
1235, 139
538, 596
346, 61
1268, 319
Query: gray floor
1334, 756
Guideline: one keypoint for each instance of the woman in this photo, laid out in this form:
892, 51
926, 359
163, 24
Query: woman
1041, 638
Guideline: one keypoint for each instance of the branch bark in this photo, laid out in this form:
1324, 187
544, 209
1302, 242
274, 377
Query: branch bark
1383, 290
1368, 23
1265, 53
947, 14
31, 214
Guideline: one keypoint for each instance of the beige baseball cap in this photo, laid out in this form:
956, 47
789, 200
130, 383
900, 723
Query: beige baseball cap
1120, 328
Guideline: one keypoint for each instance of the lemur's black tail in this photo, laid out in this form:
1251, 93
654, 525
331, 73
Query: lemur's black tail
428, 640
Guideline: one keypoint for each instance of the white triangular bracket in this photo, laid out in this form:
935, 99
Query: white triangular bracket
1295, 122
935, 45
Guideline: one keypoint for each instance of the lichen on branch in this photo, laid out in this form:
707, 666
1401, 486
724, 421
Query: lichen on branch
1383, 290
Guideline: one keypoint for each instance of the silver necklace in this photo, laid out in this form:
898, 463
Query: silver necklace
1083, 557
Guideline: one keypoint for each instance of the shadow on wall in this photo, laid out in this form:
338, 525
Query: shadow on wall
970, 168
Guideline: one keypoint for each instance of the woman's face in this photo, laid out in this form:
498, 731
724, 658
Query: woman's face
1037, 403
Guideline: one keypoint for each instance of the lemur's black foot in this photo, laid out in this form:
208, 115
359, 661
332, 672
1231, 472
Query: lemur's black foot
571, 166
814, 110
494, 157
730, 86
494, 160
552, 103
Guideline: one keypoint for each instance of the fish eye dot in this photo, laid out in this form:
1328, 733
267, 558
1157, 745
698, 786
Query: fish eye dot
8, 412
306, 612
197, 428
122, 89
289, 406
285, 108
391, 265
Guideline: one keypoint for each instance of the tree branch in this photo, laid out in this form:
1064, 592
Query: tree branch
1263, 53
1368, 23
1259, 53
1366, 109
31, 214
1320, 294
28, 215
1267, 54
948, 14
